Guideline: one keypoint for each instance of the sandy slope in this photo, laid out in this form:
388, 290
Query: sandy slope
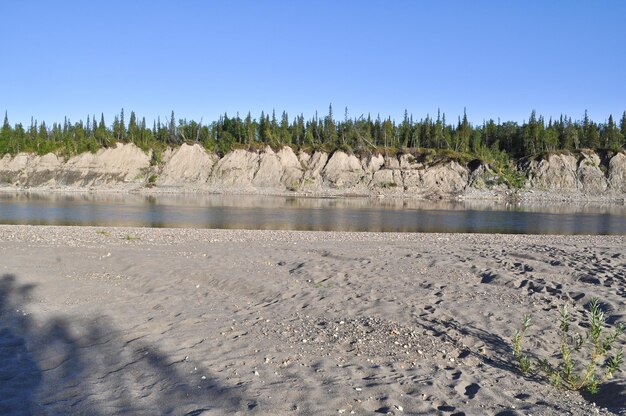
158, 321
563, 176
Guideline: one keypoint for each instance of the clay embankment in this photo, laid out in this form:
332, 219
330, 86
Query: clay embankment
125, 167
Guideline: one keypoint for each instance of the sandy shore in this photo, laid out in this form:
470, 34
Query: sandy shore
102, 321
529, 196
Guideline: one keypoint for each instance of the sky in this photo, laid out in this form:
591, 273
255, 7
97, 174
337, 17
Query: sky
498, 59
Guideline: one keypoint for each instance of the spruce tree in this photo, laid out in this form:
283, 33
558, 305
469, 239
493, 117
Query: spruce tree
465, 132
249, 128
439, 127
122, 127
405, 130
284, 133
426, 133
612, 135
116, 128
447, 132
330, 131
622, 128
94, 125
264, 129
101, 134
6, 127
593, 136
132, 127
142, 130
6, 136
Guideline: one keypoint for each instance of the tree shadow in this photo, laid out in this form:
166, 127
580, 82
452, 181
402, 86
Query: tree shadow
612, 396
84, 367
502, 357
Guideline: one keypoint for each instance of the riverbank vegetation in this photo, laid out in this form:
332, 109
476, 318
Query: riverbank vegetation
491, 141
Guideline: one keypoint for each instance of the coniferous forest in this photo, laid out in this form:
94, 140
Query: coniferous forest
488, 141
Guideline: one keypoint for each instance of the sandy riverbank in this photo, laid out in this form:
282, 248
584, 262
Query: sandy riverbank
160, 321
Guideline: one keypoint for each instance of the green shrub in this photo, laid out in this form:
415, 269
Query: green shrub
511, 177
583, 361
157, 155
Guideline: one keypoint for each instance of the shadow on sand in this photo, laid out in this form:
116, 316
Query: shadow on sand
84, 367
612, 394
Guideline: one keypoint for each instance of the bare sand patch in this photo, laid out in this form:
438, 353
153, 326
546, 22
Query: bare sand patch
190, 322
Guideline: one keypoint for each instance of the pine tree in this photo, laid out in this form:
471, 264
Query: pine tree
274, 130
132, 127
447, 135
265, 130
330, 131
622, 128
464, 132
551, 136
284, 136
476, 142
142, 130
102, 133
116, 128
612, 136
491, 133
94, 125
249, 129
593, 136
122, 127
530, 135
171, 130
377, 133
405, 130
42, 136
6, 127
6, 136
439, 139
426, 133
298, 130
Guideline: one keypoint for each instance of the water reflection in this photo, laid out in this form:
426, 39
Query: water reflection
289, 213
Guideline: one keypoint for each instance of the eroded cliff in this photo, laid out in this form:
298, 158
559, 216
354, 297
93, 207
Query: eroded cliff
191, 167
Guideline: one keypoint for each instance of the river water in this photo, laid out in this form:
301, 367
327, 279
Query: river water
328, 214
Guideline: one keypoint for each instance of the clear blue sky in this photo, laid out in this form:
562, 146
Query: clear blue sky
201, 58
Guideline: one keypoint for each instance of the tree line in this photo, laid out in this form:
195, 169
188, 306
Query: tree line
359, 134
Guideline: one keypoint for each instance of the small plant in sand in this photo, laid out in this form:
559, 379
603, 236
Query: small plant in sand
103, 232
584, 362
130, 237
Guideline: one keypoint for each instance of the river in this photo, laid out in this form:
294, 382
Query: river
327, 214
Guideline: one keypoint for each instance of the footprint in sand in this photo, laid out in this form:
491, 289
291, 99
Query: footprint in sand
471, 390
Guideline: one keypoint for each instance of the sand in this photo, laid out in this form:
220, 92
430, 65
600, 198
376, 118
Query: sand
107, 321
